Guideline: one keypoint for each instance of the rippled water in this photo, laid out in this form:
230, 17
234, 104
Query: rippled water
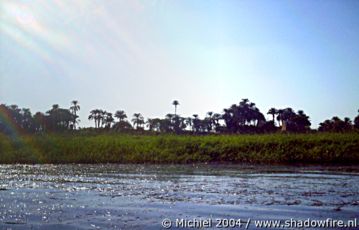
139, 196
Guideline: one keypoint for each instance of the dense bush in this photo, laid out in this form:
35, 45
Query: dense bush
114, 148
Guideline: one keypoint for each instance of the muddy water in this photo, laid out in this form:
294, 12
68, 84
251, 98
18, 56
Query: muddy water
140, 196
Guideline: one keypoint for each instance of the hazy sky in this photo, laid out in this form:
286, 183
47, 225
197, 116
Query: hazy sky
141, 55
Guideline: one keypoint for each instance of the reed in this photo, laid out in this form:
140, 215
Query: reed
321, 148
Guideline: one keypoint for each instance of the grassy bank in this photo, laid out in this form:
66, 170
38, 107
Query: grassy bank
114, 148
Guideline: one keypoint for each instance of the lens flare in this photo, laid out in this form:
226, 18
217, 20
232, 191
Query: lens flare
5, 120
21, 25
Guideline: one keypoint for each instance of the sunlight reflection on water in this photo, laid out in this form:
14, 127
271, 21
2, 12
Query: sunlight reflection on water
115, 195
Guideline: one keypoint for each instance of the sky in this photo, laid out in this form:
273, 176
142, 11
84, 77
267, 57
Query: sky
140, 55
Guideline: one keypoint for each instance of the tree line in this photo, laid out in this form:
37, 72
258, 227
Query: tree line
243, 117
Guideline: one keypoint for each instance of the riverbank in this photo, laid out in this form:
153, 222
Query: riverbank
321, 148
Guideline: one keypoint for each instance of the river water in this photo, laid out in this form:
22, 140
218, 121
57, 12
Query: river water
115, 196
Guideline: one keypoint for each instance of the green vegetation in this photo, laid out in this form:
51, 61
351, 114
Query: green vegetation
322, 148
240, 134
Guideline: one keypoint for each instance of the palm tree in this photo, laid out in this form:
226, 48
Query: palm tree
141, 122
175, 103
120, 115
150, 124
108, 119
216, 117
137, 120
153, 124
280, 116
101, 117
98, 116
209, 121
273, 112
93, 116
74, 108
195, 123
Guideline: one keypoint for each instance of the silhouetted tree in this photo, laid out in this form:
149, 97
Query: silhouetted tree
273, 112
285, 116
40, 120
27, 122
279, 116
196, 123
178, 124
244, 117
293, 122
208, 122
98, 115
154, 124
175, 103
216, 118
75, 107
122, 126
166, 125
59, 119
101, 117
189, 122
108, 119
335, 125
93, 116
120, 115
15, 115
138, 120
300, 122
173, 123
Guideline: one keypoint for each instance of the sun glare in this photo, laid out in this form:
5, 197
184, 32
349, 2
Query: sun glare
23, 26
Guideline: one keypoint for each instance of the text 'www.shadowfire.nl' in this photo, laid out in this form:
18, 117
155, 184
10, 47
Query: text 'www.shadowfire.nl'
249, 223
